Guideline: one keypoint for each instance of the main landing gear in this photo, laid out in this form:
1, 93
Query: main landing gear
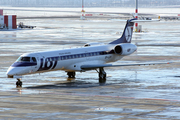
18, 83
102, 75
71, 74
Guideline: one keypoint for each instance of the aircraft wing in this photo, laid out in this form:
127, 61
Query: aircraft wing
90, 67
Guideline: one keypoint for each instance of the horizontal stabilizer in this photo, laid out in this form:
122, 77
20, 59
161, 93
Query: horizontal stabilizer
155, 20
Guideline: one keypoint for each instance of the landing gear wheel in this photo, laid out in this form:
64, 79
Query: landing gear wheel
71, 74
18, 83
102, 75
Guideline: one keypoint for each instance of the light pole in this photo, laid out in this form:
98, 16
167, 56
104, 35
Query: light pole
83, 11
136, 16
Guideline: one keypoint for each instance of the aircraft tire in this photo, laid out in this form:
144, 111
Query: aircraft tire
102, 80
71, 74
102, 76
18, 83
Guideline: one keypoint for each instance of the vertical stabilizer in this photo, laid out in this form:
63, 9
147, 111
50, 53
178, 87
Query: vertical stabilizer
127, 34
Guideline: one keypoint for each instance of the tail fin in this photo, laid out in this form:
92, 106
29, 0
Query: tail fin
127, 34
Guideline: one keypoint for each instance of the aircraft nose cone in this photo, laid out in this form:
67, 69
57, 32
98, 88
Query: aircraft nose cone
11, 72
15, 71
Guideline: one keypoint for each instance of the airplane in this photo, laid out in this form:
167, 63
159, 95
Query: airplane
92, 56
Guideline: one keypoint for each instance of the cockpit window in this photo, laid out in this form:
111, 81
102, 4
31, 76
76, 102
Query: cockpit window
23, 59
26, 59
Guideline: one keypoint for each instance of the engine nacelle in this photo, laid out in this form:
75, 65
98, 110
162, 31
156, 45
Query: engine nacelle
125, 49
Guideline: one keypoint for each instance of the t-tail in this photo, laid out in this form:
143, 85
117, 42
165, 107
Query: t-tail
127, 34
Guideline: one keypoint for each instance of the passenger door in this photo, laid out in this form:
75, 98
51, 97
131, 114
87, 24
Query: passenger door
40, 61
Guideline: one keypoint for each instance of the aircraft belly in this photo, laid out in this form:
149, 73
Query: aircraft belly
70, 65
77, 63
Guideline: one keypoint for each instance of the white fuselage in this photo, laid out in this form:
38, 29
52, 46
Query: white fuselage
66, 60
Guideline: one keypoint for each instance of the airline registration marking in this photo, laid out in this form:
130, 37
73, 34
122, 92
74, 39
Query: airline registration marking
107, 57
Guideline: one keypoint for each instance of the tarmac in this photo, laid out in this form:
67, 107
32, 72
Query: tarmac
130, 93
68, 104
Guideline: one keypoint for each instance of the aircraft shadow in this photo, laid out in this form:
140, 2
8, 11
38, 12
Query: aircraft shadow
69, 84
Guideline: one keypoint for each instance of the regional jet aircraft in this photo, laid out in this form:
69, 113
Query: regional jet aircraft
92, 56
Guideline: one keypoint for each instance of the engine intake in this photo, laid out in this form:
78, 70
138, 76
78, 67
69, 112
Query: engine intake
125, 49
118, 49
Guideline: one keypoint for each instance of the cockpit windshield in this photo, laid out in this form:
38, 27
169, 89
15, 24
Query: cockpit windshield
26, 59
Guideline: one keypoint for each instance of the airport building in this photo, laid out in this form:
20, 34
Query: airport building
7, 21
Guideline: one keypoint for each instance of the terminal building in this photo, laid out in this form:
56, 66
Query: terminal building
7, 21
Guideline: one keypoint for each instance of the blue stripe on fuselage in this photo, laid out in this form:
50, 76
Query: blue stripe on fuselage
23, 64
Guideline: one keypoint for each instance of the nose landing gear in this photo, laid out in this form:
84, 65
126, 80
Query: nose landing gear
71, 74
18, 83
